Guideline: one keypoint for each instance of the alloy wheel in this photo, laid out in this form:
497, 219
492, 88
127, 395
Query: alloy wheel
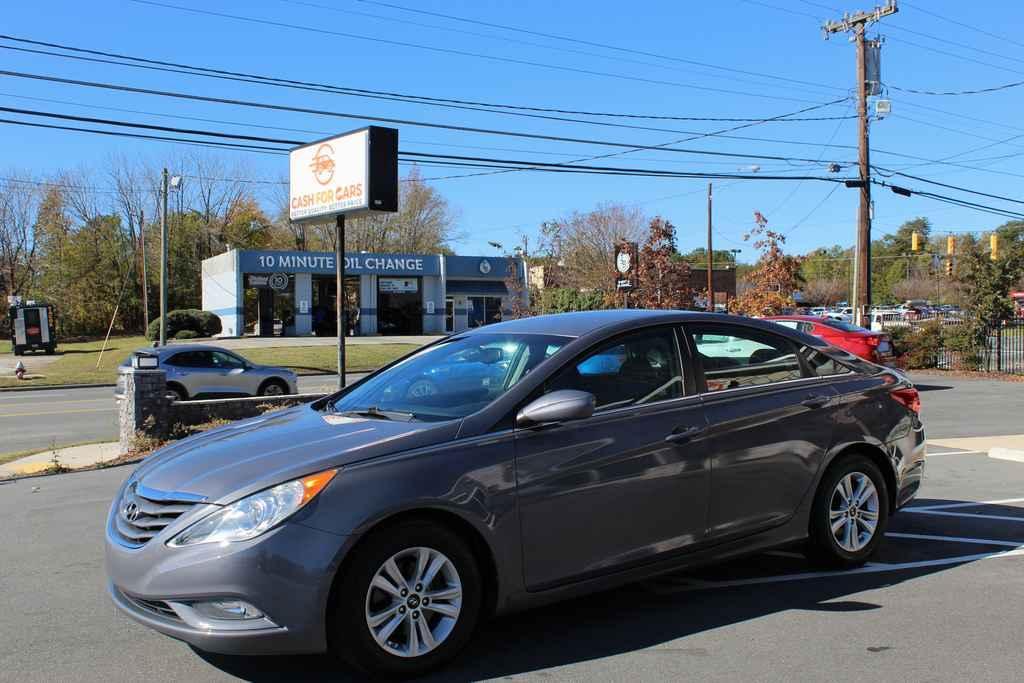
853, 511
273, 389
413, 602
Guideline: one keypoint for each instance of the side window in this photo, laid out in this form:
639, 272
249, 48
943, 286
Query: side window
201, 359
791, 324
226, 361
642, 367
183, 360
821, 364
747, 358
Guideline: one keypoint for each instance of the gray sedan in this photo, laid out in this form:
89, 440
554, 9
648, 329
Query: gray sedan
205, 371
575, 452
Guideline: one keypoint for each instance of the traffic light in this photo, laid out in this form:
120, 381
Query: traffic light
915, 241
993, 243
949, 267
950, 246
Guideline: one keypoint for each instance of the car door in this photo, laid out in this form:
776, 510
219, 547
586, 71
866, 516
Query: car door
624, 486
768, 425
203, 376
230, 376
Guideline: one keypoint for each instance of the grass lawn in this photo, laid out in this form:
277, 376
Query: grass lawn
76, 363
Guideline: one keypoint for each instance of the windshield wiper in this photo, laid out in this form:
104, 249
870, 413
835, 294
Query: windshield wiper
377, 413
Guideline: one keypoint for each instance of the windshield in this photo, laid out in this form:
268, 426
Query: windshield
450, 380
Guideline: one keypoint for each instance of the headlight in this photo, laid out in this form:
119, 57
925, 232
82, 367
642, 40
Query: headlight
255, 514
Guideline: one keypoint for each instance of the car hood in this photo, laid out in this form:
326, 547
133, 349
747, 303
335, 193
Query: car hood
229, 462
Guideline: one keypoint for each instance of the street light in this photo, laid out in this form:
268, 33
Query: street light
175, 183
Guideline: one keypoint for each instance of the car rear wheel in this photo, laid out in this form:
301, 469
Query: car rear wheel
850, 513
409, 601
273, 387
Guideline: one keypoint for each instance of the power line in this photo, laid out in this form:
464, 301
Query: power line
412, 98
964, 25
338, 91
1006, 213
951, 187
980, 91
592, 43
954, 55
461, 53
544, 46
383, 119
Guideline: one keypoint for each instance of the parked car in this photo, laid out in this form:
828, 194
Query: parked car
384, 525
873, 346
205, 371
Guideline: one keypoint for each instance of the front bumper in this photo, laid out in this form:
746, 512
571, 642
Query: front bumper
286, 573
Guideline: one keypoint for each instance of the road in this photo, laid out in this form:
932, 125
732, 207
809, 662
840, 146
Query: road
46, 418
952, 407
940, 603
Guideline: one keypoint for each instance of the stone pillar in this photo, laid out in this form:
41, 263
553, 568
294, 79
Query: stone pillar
142, 406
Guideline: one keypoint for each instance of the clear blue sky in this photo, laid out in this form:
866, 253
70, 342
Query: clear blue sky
779, 37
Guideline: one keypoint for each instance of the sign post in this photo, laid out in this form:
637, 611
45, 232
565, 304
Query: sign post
351, 174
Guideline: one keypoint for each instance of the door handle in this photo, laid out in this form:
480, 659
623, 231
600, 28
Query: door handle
684, 435
815, 401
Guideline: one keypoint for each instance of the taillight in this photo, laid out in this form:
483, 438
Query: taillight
908, 397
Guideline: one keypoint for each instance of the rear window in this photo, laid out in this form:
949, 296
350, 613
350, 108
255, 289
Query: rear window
841, 325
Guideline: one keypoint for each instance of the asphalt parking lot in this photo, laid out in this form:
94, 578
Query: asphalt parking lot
941, 601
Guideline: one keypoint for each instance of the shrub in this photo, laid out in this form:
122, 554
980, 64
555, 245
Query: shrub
924, 345
966, 341
202, 323
186, 334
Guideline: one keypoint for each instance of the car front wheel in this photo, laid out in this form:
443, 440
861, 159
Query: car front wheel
850, 514
409, 601
273, 387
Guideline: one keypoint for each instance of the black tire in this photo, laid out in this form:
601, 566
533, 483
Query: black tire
266, 388
176, 392
50, 350
349, 635
823, 547
17, 352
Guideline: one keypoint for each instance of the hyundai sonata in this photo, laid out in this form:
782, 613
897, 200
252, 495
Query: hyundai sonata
384, 522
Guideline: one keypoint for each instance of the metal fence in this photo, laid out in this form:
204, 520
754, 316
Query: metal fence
1003, 351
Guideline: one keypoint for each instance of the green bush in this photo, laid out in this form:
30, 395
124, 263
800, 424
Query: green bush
924, 344
202, 323
966, 341
186, 334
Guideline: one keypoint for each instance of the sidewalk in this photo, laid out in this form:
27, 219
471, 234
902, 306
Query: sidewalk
72, 457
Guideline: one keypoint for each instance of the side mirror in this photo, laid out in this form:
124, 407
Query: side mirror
558, 406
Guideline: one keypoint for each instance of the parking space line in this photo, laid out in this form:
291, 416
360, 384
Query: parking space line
954, 539
870, 568
1002, 518
965, 504
932, 455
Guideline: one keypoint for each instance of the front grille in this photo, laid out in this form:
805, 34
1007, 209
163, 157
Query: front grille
157, 607
141, 517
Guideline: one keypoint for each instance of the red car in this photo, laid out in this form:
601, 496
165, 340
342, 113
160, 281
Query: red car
873, 346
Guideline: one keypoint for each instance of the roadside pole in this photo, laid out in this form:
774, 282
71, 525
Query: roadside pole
163, 258
711, 284
339, 263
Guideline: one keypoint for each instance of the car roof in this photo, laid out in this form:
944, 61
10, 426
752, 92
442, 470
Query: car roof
581, 322
162, 351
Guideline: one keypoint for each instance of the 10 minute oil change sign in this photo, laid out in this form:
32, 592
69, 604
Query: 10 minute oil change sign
347, 174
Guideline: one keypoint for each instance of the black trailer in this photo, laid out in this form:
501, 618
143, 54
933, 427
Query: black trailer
32, 328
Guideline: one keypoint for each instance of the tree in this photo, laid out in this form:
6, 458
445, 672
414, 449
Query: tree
19, 197
770, 285
663, 281
585, 243
825, 291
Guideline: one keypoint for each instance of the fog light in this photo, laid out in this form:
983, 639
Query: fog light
227, 609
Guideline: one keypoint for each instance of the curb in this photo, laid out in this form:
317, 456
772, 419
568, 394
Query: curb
49, 387
87, 468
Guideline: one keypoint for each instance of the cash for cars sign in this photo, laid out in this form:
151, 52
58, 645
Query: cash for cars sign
349, 174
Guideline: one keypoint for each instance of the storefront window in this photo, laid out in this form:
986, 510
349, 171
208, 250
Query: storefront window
484, 310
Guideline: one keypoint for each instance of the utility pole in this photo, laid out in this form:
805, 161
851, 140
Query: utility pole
163, 258
145, 280
711, 285
857, 24
339, 265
